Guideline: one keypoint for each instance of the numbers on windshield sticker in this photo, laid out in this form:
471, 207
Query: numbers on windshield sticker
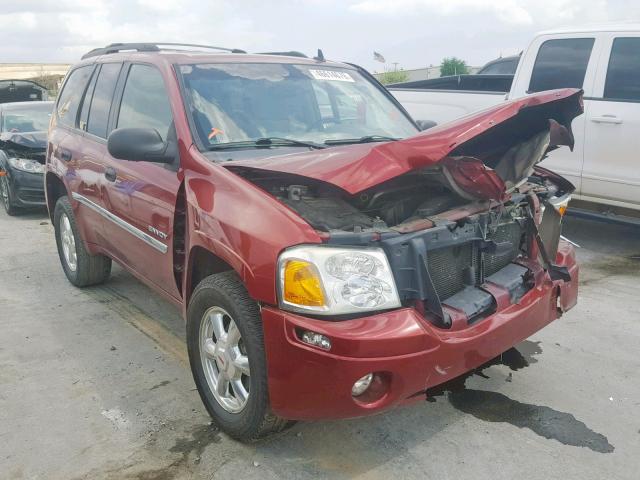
331, 75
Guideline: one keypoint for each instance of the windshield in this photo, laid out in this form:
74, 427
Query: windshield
26, 119
312, 103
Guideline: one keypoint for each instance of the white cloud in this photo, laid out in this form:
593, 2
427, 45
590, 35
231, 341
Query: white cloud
414, 33
511, 11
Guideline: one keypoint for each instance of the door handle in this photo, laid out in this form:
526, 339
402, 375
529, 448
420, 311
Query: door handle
110, 174
64, 154
607, 119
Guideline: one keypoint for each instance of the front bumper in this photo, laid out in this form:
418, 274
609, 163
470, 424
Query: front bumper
411, 354
27, 188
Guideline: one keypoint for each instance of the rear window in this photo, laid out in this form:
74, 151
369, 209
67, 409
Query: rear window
561, 64
623, 75
71, 95
102, 97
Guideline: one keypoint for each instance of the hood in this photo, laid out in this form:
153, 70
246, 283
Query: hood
483, 154
24, 141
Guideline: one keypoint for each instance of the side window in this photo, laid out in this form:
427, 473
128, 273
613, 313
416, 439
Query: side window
145, 102
71, 95
102, 97
561, 64
623, 74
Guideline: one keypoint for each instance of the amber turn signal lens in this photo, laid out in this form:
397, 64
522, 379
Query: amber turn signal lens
562, 210
302, 284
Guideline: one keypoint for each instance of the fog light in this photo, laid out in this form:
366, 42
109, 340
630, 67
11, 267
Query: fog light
316, 339
361, 385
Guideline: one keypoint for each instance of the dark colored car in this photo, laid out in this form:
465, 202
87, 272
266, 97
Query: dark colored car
12, 91
23, 143
329, 258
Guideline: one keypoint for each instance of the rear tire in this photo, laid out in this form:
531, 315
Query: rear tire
81, 268
224, 297
6, 196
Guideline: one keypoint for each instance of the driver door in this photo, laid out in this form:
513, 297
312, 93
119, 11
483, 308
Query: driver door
142, 195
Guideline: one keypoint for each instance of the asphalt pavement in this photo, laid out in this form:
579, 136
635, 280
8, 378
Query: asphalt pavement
95, 384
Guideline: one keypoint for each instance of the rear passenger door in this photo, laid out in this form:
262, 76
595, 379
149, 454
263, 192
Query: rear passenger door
142, 195
79, 169
611, 172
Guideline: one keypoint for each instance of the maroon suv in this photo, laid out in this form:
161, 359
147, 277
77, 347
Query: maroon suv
330, 259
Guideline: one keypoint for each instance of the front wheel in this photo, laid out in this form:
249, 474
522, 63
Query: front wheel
6, 195
226, 352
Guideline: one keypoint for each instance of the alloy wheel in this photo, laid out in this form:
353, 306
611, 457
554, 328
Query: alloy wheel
224, 359
68, 242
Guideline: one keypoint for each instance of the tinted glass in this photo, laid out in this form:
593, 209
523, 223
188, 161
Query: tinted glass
623, 76
504, 67
561, 64
243, 102
102, 96
71, 95
30, 118
145, 102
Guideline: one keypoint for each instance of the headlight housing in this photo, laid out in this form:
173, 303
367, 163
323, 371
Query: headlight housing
335, 281
561, 203
26, 165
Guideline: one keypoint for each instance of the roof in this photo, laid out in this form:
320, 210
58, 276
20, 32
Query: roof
184, 57
595, 28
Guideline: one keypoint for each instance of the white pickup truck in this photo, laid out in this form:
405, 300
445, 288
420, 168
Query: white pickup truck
605, 63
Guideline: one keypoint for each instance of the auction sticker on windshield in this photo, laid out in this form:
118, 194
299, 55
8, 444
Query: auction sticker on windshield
332, 75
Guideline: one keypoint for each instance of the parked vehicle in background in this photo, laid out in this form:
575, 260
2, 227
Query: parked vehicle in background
500, 66
330, 259
23, 142
605, 63
495, 76
21, 91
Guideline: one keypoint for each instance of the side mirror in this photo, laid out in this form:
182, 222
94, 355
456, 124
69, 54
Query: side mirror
425, 124
140, 145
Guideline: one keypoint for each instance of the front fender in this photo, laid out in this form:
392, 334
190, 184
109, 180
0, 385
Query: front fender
243, 226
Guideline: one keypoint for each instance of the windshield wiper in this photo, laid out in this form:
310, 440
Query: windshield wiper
267, 142
365, 139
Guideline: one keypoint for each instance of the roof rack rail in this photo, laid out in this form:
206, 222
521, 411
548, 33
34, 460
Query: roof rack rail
292, 53
150, 47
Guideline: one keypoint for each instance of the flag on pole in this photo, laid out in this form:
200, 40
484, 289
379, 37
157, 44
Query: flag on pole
378, 56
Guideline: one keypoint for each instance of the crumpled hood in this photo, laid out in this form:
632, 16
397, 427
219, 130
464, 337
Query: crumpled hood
24, 141
488, 137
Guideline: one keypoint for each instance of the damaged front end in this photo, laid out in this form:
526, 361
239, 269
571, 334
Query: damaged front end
468, 222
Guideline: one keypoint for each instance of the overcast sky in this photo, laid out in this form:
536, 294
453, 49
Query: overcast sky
414, 33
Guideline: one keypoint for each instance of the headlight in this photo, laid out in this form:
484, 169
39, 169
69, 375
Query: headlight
335, 281
26, 165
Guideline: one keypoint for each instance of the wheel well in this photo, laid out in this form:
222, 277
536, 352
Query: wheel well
202, 264
55, 190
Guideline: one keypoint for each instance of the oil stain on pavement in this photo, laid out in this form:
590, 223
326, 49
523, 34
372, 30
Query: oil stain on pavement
497, 407
544, 421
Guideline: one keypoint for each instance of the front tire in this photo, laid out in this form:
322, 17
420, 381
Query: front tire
6, 196
226, 353
81, 268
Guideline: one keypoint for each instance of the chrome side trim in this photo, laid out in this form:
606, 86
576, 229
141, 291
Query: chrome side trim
136, 232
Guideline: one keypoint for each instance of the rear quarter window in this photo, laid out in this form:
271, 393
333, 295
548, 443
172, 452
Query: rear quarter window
623, 74
561, 64
71, 95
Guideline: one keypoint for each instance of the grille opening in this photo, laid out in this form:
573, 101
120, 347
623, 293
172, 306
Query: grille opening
454, 267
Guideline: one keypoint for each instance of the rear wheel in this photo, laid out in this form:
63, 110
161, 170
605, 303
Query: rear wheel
226, 352
81, 268
6, 195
